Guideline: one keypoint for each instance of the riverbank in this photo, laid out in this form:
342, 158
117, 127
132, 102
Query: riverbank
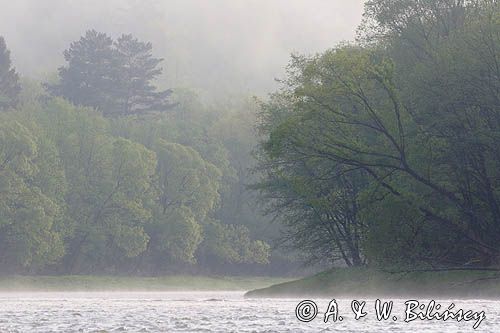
364, 282
122, 283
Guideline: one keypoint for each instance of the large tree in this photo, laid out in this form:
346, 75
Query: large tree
115, 77
416, 112
9, 80
32, 185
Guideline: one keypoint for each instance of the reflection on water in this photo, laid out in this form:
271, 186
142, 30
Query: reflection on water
203, 312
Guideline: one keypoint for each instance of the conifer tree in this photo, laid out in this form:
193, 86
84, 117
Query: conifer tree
114, 77
9, 79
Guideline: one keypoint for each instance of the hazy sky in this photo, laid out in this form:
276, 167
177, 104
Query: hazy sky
210, 45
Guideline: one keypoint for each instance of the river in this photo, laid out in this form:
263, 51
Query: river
208, 312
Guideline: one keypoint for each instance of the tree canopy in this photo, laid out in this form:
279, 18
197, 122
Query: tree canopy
396, 135
114, 77
83, 191
382, 151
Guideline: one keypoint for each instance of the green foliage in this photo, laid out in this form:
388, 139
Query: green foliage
204, 156
232, 244
80, 192
382, 152
109, 186
31, 183
178, 234
404, 129
185, 179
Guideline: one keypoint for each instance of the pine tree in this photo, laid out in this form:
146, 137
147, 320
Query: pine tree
137, 69
9, 80
114, 77
88, 78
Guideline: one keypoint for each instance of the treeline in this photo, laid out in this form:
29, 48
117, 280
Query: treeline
101, 172
381, 152
386, 151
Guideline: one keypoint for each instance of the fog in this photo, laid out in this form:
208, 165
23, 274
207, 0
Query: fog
214, 47
146, 199
216, 55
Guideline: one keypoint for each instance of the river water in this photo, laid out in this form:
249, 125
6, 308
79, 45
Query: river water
210, 312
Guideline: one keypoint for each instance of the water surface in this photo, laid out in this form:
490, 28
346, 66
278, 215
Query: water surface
205, 312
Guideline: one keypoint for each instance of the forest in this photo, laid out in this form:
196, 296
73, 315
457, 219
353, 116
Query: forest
104, 173
380, 152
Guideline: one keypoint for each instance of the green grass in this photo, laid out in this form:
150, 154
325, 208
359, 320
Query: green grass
364, 282
118, 283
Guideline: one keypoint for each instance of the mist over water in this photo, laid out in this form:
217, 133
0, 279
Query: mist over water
216, 47
202, 312
114, 175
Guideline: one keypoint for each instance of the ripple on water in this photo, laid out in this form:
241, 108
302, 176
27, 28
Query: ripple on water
197, 312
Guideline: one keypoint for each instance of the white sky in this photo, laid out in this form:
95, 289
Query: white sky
210, 45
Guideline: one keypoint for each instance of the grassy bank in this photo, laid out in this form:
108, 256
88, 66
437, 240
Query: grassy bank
117, 283
363, 282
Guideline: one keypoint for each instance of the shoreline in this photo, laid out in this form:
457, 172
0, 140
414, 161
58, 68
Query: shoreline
98, 283
371, 283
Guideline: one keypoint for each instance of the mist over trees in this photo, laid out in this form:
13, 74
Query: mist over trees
385, 151
111, 76
382, 152
96, 183
217, 48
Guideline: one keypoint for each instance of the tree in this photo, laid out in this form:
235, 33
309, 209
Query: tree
314, 197
114, 77
416, 113
109, 201
89, 77
137, 68
31, 183
228, 243
109, 188
197, 153
81, 193
187, 192
9, 80
446, 72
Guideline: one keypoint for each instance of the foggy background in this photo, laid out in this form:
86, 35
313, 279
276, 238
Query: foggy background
214, 47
